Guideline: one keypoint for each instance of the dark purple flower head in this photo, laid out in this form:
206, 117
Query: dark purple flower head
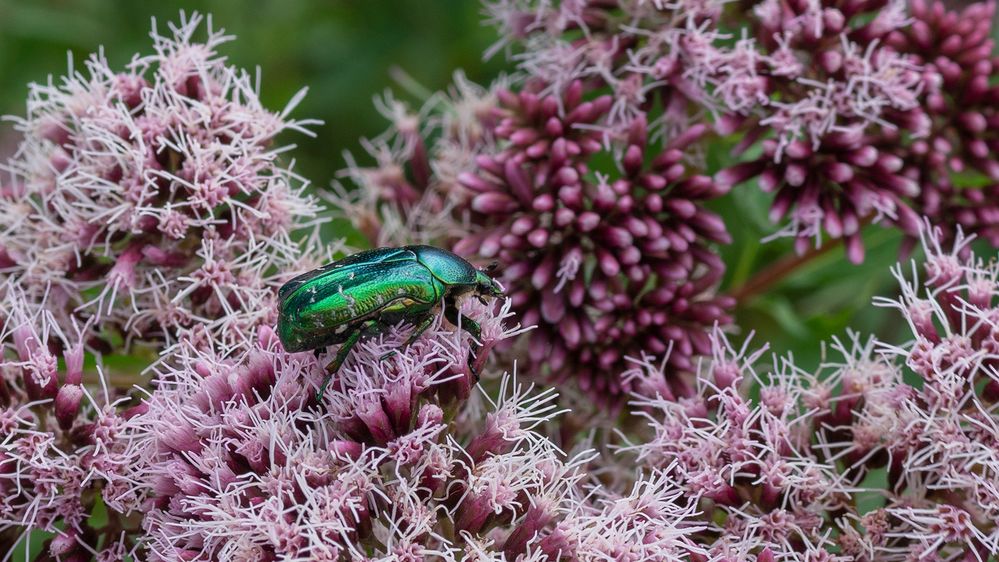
605, 265
152, 199
956, 49
600, 234
820, 80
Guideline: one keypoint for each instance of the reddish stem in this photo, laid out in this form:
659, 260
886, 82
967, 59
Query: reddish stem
774, 274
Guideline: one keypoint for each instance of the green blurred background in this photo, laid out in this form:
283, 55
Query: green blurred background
345, 52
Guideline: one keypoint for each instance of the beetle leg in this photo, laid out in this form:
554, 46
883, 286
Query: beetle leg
341, 356
417, 332
318, 351
467, 324
471, 326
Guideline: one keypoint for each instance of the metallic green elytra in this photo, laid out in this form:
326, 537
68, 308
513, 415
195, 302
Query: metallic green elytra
367, 292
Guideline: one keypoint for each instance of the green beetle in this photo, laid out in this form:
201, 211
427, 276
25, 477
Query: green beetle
367, 292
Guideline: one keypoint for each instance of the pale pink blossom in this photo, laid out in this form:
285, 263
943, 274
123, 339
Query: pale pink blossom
858, 461
154, 199
242, 463
65, 443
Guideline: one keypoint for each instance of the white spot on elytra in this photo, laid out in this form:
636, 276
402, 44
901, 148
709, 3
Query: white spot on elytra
350, 300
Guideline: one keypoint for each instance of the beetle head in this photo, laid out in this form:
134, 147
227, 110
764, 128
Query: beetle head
486, 286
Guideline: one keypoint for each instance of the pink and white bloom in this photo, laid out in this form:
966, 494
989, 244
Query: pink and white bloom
65, 443
889, 453
154, 200
242, 463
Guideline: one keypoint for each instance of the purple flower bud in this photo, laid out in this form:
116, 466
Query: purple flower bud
738, 173
346, 449
67, 404
493, 202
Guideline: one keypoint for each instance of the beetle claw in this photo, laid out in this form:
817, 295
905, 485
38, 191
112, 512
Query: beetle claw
387, 355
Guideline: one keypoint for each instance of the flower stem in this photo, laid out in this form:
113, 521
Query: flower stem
770, 276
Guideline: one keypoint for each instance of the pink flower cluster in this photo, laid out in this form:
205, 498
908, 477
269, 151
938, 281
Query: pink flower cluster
865, 111
65, 445
862, 460
151, 205
152, 200
874, 110
400, 461
956, 51
820, 77
645, 55
577, 249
